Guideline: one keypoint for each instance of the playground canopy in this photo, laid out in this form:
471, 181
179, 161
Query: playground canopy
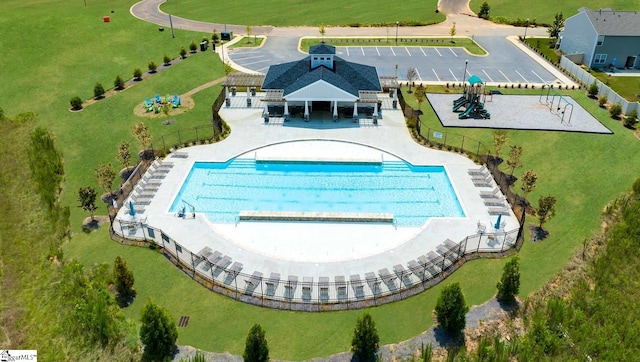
474, 79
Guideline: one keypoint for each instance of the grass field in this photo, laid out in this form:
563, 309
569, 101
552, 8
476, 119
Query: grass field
627, 87
543, 12
55, 50
314, 13
467, 43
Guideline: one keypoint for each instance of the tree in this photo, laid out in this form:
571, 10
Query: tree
500, 137
227, 68
322, 31
528, 178
158, 332
514, 157
365, 342
420, 94
509, 284
249, 33
166, 60
123, 279
255, 348
76, 103
615, 110
593, 89
556, 28
484, 11
215, 37
87, 198
124, 153
451, 309
453, 31
118, 83
602, 101
546, 209
105, 175
152, 67
193, 46
137, 74
142, 134
183, 52
412, 74
98, 91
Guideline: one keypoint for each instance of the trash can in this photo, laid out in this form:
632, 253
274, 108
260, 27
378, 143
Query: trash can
226, 35
203, 45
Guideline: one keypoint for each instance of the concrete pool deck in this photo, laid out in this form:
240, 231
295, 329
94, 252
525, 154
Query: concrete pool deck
307, 249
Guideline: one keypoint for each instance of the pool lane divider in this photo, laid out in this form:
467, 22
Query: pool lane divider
315, 216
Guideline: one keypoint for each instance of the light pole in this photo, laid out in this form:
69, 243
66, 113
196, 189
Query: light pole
525, 31
464, 74
397, 23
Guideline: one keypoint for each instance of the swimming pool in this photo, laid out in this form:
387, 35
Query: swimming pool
411, 193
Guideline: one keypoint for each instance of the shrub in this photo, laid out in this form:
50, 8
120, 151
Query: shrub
152, 67
118, 83
602, 101
137, 74
98, 91
365, 342
193, 46
593, 89
158, 332
76, 103
484, 11
451, 309
631, 120
123, 279
215, 37
183, 53
615, 111
509, 284
166, 60
256, 348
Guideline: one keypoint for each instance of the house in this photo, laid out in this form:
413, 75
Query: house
321, 82
603, 38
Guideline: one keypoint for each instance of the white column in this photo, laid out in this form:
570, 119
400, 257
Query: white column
286, 110
306, 110
395, 98
248, 93
355, 111
266, 109
335, 110
375, 113
226, 96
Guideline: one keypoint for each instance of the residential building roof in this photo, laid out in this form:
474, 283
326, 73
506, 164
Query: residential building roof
614, 23
322, 48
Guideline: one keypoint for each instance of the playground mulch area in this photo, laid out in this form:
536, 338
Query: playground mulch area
520, 112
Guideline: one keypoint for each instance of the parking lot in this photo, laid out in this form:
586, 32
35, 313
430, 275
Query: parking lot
504, 63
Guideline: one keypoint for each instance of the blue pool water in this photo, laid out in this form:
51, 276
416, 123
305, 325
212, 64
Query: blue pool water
411, 193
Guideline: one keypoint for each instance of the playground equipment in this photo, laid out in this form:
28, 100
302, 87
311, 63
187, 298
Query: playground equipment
471, 102
560, 107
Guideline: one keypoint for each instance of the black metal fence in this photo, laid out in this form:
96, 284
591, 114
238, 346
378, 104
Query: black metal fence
223, 275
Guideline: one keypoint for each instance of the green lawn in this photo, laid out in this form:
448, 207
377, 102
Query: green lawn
626, 87
467, 43
248, 42
311, 13
55, 50
542, 11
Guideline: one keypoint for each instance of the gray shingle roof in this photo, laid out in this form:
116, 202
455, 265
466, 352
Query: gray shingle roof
618, 23
322, 49
350, 77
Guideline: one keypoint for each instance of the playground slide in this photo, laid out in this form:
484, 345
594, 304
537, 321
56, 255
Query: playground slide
466, 113
458, 106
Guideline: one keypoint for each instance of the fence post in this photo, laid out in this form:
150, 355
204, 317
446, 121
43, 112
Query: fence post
462, 145
179, 138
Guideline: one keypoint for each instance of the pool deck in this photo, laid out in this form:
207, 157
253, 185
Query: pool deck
316, 249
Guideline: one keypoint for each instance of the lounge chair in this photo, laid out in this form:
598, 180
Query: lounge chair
484, 178
478, 171
481, 228
158, 99
495, 202
479, 183
490, 194
498, 210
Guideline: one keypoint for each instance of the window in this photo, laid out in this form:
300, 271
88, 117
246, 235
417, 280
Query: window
600, 39
600, 59
165, 239
178, 248
152, 234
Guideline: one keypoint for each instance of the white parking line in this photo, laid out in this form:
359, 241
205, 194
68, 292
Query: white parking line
394, 53
418, 73
434, 72
378, 51
485, 73
347, 48
422, 50
362, 49
525, 79
262, 70
539, 77
437, 51
407, 49
454, 76
508, 80
259, 61
454, 53
243, 58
